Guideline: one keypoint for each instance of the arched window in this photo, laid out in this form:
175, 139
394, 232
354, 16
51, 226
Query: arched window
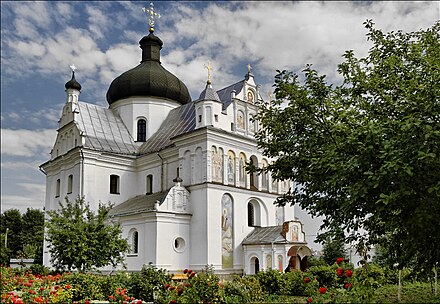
114, 184
69, 184
253, 175
251, 214
141, 130
255, 265
231, 168
149, 184
264, 177
135, 242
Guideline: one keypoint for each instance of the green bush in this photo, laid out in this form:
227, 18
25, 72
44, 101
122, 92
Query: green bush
110, 283
147, 282
39, 269
325, 275
243, 290
84, 286
292, 283
270, 281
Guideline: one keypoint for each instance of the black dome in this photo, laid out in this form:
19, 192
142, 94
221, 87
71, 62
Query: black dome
149, 78
72, 83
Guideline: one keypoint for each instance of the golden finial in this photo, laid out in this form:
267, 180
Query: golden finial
209, 68
249, 68
152, 14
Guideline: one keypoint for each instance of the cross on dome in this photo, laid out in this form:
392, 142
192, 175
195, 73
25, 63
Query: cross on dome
73, 67
249, 67
209, 68
152, 14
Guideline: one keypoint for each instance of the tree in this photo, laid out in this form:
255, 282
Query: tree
12, 225
79, 238
365, 154
334, 248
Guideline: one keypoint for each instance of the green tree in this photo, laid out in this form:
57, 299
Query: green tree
334, 247
365, 154
79, 238
11, 221
32, 234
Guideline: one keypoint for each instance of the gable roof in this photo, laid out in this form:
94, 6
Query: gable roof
265, 235
225, 93
104, 130
180, 120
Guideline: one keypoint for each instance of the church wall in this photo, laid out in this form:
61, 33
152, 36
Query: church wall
154, 110
173, 240
97, 171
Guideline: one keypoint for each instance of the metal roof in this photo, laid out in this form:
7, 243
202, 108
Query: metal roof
138, 204
265, 235
104, 130
225, 93
180, 120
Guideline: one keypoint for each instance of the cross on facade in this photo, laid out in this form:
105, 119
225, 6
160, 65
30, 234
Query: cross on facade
152, 14
209, 68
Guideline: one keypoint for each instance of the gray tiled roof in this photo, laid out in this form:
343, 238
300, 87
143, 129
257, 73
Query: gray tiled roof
104, 130
265, 235
209, 94
137, 204
180, 120
225, 93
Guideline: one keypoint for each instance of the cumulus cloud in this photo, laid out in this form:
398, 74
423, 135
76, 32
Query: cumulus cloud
26, 142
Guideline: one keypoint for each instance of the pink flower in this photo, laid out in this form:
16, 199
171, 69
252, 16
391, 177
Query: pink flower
322, 290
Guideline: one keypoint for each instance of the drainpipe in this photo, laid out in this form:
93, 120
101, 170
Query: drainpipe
161, 172
81, 172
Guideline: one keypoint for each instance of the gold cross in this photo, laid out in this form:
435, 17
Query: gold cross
152, 14
209, 68
249, 67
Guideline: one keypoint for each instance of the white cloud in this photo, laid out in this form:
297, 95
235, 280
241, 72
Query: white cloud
26, 142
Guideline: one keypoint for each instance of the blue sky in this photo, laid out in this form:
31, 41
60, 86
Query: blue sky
39, 40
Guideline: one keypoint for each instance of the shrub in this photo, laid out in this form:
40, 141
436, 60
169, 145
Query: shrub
243, 290
270, 281
83, 286
39, 270
325, 275
294, 283
147, 282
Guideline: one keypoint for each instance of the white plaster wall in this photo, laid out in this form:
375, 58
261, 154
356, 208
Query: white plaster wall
153, 109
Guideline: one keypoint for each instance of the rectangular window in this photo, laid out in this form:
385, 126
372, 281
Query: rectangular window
216, 118
69, 184
149, 184
58, 188
114, 184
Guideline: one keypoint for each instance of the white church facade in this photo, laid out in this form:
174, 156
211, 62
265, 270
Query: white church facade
174, 168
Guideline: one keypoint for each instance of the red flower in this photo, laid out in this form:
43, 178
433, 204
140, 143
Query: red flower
172, 287
86, 302
67, 286
167, 286
309, 300
179, 291
189, 271
339, 261
139, 302
41, 288
187, 285
340, 271
185, 271
192, 274
322, 290
111, 297
348, 285
307, 280
173, 302
348, 273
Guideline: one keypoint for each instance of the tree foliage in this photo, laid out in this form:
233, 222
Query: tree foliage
24, 236
365, 154
334, 247
79, 238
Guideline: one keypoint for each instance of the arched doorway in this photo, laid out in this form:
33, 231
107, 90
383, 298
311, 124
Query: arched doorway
255, 265
298, 257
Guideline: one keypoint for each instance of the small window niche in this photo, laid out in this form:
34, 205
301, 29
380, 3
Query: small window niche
114, 184
149, 184
69, 184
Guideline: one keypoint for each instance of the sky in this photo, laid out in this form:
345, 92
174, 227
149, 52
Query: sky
40, 40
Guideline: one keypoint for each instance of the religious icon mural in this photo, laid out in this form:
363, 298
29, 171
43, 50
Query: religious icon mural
268, 261
242, 170
231, 168
227, 232
279, 214
251, 124
240, 120
280, 263
264, 177
217, 164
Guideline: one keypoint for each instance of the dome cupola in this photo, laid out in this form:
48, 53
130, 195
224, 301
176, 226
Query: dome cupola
149, 78
72, 83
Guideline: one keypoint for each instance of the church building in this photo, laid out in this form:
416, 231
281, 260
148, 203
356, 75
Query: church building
174, 168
